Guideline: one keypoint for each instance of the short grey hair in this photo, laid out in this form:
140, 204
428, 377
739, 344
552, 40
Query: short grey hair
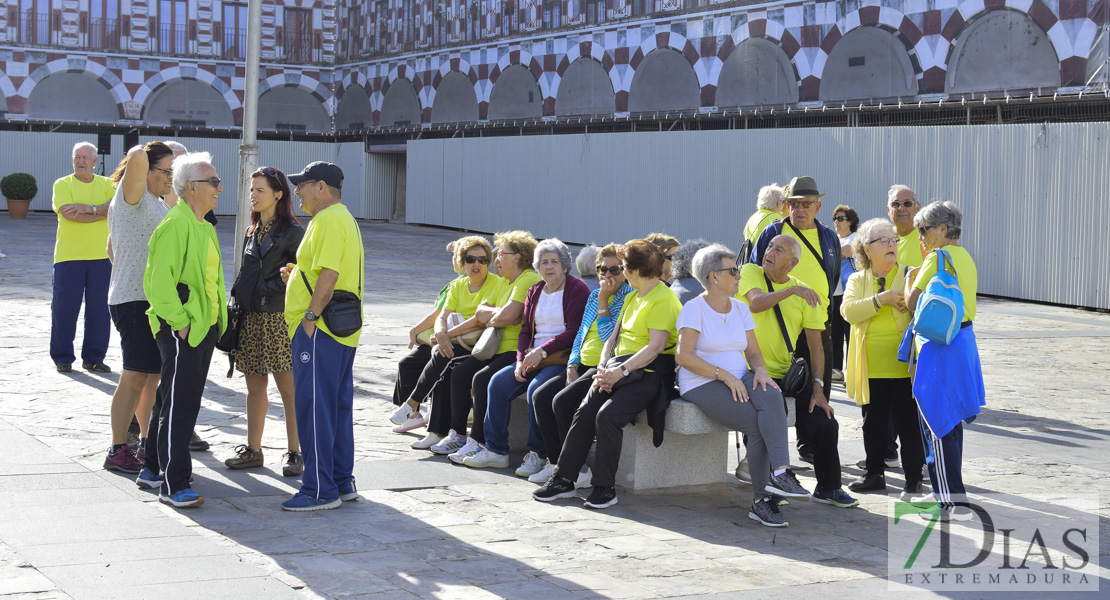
682, 261
708, 259
551, 245
795, 248
186, 167
892, 193
176, 147
941, 213
80, 145
587, 262
863, 236
770, 197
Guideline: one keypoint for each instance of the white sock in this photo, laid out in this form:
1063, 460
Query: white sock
779, 472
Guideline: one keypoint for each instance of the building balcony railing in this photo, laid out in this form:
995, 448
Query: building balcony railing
45, 30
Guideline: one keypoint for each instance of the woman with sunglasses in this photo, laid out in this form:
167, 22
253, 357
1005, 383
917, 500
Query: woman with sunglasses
721, 370
271, 242
666, 244
874, 304
515, 252
846, 222
555, 401
472, 257
142, 178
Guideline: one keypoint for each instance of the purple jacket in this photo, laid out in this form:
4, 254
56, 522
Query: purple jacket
575, 294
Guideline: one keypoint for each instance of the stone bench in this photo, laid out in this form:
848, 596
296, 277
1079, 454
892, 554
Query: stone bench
694, 452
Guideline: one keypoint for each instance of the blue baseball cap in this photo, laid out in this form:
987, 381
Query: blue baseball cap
320, 171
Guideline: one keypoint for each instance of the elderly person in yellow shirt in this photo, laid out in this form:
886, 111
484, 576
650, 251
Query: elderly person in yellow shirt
875, 305
81, 266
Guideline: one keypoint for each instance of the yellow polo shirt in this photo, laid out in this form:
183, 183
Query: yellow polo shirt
909, 249
82, 241
796, 313
657, 309
809, 270
517, 291
966, 274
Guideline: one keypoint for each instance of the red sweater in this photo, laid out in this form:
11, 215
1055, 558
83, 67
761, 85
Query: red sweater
575, 294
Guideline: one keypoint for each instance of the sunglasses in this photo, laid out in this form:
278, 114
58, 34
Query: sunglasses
269, 171
168, 172
903, 203
841, 219
921, 230
884, 241
212, 181
614, 270
471, 259
801, 203
733, 271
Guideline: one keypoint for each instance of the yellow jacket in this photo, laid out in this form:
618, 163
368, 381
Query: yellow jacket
858, 309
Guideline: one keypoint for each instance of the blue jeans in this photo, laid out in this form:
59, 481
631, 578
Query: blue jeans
503, 387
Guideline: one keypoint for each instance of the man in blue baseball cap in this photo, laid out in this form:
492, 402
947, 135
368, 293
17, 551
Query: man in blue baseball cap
329, 259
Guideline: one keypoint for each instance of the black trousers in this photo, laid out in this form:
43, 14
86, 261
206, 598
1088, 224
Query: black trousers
473, 374
554, 403
892, 402
841, 331
801, 348
409, 369
437, 368
184, 372
823, 434
604, 414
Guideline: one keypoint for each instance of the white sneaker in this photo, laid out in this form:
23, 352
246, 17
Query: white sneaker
487, 458
742, 472
414, 421
470, 448
449, 444
426, 442
532, 464
585, 479
543, 475
401, 414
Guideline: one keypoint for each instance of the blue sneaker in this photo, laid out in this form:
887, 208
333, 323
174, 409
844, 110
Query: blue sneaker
778, 500
835, 497
348, 492
185, 498
147, 480
303, 503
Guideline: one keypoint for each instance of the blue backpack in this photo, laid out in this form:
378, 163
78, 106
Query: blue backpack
940, 311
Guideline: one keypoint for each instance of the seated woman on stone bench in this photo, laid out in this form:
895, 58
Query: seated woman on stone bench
644, 344
716, 333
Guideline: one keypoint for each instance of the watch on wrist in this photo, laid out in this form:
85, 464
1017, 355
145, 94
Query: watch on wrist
543, 353
310, 316
624, 371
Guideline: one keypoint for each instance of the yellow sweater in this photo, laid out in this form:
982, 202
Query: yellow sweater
858, 309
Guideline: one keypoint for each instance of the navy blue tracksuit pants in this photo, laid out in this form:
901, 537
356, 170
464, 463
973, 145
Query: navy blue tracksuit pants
74, 281
323, 379
944, 459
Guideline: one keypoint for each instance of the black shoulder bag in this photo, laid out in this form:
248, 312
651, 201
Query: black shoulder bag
343, 314
816, 254
797, 376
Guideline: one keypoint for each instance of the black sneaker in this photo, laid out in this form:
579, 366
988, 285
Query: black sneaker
96, 367
555, 488
786, 485
196, 444
805, 456
64, 367
767, 513
602, 497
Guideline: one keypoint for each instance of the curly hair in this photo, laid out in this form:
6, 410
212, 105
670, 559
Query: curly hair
612, 249
664, 242
863, 236
643, 257
683, 261
853, 216
517, 241
466, 244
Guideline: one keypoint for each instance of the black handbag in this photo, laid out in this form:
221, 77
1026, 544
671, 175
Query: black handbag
229, 341
343, 314
797, 376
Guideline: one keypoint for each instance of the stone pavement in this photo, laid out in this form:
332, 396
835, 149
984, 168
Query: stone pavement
427, 529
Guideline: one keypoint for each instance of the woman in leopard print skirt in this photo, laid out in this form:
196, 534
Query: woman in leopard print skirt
271, 242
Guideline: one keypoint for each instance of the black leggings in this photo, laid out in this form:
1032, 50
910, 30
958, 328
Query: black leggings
470, 374
554, 403
409, 369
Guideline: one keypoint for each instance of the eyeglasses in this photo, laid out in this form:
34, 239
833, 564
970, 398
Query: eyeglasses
884, 241
504, 253
903, 203
801, 203
168, 172
841, 219
298, 186
921, 230
733, 271
669, 256
212, 181
471, 259
614, 270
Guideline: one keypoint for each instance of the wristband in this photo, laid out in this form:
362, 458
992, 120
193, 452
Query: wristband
717, 373
875, 299
94, 210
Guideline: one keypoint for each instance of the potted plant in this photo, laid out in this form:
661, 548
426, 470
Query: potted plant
18, 189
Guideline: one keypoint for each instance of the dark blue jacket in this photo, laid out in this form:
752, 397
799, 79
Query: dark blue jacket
830, 249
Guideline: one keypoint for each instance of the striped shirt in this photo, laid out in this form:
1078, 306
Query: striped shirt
605, 325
